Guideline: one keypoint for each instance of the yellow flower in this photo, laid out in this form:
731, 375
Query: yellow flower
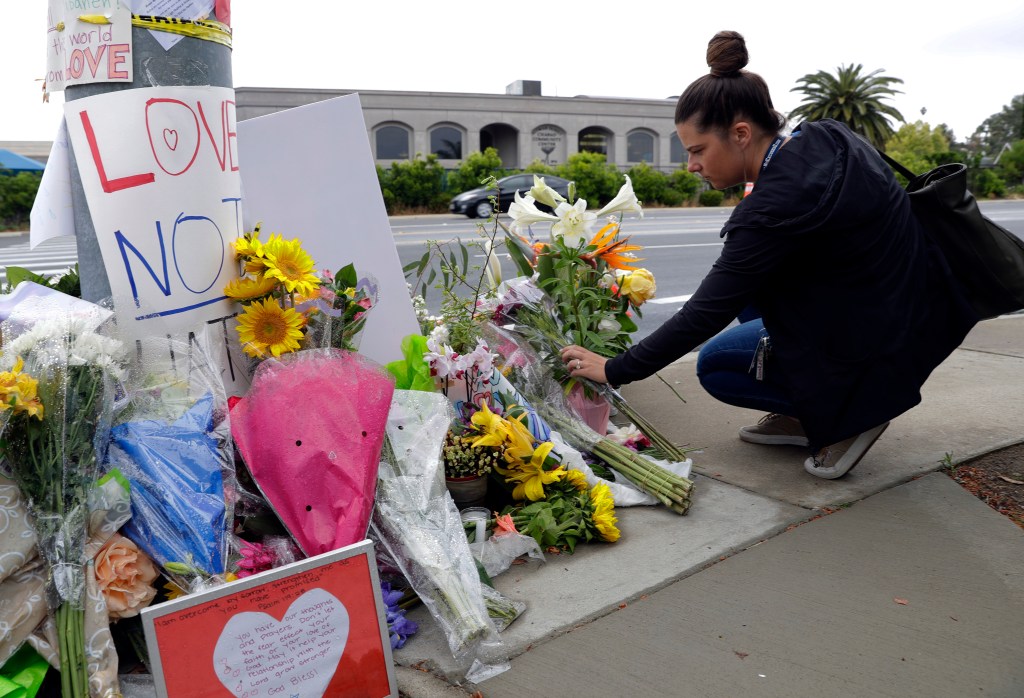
638, 286
520, 440
287, 262
246, 288
498, 430
531, 475
18, 391
248, 246
173, 591
604, 513
490, 425
576, 479
266, 326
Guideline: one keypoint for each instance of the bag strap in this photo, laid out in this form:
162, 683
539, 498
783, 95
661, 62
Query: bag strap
897, 166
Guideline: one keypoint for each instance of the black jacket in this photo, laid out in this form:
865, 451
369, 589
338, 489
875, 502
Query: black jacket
859, 304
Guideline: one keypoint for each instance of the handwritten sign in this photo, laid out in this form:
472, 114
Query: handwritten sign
159, 167
313, 628
87, 41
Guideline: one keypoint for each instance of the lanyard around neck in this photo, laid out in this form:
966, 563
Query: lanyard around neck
772, 149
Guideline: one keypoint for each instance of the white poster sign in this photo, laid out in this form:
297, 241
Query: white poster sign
87, 41
309, 174
159, 167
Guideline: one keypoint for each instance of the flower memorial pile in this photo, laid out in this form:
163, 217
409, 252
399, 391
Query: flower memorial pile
144, 481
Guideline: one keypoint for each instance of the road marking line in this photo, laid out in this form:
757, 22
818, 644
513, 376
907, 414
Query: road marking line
671, 299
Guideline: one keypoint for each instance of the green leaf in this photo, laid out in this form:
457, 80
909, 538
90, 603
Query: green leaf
516, 253
346, 276
15, 275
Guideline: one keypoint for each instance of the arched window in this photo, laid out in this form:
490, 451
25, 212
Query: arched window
446, 143
640, 147
392, 143
595, 139
676, 154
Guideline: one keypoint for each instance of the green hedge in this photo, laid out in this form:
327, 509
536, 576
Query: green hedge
17, 192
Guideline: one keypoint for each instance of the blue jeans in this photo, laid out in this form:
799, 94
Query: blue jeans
725, 370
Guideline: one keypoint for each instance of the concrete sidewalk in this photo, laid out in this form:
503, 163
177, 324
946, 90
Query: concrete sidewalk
913, 587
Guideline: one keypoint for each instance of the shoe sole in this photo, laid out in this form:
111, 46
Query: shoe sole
861, 445
769, 440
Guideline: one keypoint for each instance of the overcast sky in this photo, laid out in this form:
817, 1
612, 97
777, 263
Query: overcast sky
962, 64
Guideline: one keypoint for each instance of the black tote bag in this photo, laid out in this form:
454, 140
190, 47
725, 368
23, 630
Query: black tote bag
986, 258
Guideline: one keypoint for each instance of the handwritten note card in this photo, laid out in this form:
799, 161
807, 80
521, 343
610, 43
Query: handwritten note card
87, 41
314, 628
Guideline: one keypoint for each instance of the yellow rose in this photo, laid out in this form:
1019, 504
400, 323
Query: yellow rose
125, 575
638, 286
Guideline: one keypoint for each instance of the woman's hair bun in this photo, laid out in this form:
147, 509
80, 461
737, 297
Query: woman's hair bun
727, 53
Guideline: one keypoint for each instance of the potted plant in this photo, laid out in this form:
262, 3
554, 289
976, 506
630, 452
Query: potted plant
466, 467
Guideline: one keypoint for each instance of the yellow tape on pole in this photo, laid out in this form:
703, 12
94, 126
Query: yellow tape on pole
205, 29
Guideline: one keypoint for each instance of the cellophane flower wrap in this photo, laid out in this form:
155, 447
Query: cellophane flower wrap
172, 441
647, 480
417, 527
59, 372
310, 431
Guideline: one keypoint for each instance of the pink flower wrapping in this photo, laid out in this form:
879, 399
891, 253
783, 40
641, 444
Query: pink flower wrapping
310, 431
125, 575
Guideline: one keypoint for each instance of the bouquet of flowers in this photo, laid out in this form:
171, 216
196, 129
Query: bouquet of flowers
535, 378
56, 389
287, 306
337, 314
416, 526
592, 278
172, 443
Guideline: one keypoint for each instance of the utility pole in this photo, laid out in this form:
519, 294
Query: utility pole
190, 62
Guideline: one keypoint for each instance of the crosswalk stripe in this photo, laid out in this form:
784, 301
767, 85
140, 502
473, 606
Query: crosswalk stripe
52, 257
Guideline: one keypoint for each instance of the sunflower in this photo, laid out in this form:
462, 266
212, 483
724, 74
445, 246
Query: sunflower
287, 262
266, 326
249, 245
246, 288
577, 479
603, 515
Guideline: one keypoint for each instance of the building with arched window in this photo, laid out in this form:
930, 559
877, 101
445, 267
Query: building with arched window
522, 125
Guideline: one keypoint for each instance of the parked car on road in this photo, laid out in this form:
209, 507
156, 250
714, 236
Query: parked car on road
476, 203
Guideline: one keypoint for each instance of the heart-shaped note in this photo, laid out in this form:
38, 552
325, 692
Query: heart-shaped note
171, 138
257, 655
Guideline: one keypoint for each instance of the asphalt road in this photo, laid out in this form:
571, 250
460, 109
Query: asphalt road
679, 247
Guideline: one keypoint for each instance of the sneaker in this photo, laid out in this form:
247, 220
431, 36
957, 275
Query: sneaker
775, 430
838, 459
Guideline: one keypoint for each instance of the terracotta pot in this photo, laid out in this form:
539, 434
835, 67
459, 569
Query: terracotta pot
467, 491
594, 411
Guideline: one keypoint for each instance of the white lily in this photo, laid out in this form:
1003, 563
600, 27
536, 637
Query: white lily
574, 223
625, 201
492, 266
544, 193
608, 324
525, 213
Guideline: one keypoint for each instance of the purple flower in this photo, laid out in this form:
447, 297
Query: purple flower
399, 627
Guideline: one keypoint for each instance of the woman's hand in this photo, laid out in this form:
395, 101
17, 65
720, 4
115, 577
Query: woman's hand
583, 363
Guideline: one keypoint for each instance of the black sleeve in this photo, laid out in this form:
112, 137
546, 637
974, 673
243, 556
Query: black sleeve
747, 261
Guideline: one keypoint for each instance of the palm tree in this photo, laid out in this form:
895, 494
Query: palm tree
854, 99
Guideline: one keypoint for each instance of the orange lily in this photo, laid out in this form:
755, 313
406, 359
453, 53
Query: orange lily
612, 251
